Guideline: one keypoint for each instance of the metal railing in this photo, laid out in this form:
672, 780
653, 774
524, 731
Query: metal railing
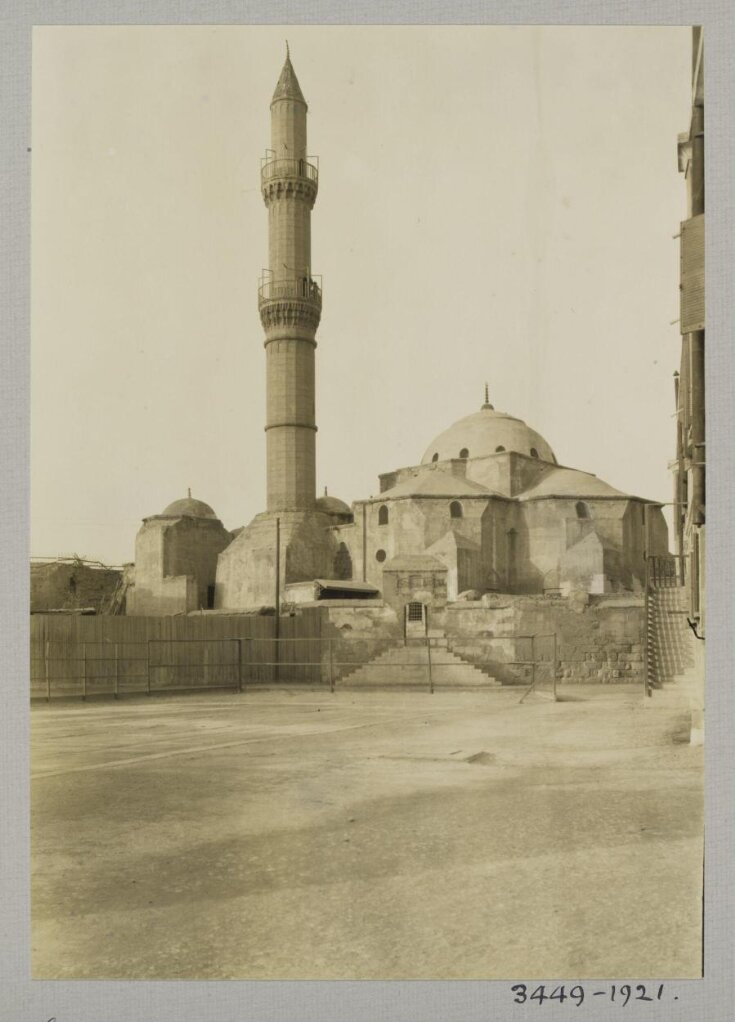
306, 288
667, 572
289, 168
86, 669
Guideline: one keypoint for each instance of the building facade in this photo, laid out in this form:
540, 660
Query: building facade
488, 509
690, 462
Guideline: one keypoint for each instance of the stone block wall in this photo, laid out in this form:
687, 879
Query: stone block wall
599, 639
64, 585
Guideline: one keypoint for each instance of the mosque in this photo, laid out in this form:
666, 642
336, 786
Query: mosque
488, 509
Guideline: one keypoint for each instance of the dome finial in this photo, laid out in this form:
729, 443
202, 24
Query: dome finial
188, 491
487, 404
325, 492
288, 54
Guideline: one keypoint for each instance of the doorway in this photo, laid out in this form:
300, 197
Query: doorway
415, 620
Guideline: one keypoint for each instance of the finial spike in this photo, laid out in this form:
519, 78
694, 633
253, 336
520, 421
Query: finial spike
288, 55
487, 396
188, 492
325, 492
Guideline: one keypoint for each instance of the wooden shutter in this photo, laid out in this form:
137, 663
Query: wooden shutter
691, 313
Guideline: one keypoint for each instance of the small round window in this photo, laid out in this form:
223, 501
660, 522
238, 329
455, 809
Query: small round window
464, 453
380, 556
499, 449
534, 452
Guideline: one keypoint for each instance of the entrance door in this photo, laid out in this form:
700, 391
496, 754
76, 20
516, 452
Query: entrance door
415, 620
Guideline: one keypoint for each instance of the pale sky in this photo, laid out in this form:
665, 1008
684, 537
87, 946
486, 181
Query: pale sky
494, 204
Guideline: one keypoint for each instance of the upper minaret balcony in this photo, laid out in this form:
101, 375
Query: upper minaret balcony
283, 177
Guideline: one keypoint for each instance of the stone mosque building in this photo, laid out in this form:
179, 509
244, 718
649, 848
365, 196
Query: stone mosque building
488, 509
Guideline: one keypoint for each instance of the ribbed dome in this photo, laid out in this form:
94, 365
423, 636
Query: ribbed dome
487, 432
187, 506
332, 506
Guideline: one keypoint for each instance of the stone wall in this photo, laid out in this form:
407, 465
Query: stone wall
598, 638
73, 585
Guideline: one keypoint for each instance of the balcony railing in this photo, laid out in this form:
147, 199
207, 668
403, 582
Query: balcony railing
305, 288
289, 168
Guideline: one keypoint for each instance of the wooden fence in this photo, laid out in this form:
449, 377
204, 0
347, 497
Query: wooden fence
74, 655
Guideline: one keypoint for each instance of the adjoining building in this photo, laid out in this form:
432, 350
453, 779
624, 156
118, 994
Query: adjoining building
488, 509
176, 559
690, 463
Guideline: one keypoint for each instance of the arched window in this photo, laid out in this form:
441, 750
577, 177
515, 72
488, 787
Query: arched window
534, 452
582, 510
383, 515
342, 563
499, 449
455, 509
435, 456
380, 556
464, 453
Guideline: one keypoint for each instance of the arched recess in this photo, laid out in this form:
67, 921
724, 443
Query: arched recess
455, 510
383, 514
342, 563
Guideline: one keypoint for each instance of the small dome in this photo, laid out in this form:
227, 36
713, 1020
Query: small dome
487, 432
188, 507
332, 506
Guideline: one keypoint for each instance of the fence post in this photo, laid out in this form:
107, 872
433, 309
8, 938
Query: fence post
84, 672
148, 664
117, 670
239, 665
428, 661
331, 667
554, 667
646, 638
46, 670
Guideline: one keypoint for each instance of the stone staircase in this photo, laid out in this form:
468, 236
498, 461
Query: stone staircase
405, 665
675, 656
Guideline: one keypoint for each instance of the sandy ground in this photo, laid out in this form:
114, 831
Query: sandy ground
367, 835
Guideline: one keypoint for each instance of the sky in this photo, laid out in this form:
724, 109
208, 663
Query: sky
495, 204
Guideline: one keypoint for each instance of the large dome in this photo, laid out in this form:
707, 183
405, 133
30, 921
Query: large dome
189, 507
487, 432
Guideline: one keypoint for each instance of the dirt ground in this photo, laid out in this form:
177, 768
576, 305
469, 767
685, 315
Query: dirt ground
370, 835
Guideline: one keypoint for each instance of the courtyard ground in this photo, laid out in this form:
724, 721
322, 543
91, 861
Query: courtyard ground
370, 835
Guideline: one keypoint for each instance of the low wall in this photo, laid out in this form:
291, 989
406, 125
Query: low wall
357, 630
598, 638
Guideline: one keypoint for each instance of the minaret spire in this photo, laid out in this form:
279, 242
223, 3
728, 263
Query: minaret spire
487, 406
287, 86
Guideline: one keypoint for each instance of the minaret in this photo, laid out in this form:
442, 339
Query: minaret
290, 302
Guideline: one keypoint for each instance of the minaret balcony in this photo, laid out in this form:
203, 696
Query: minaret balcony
283, 177
290, 300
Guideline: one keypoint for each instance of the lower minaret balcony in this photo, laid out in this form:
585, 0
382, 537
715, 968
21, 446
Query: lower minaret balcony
293, 301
